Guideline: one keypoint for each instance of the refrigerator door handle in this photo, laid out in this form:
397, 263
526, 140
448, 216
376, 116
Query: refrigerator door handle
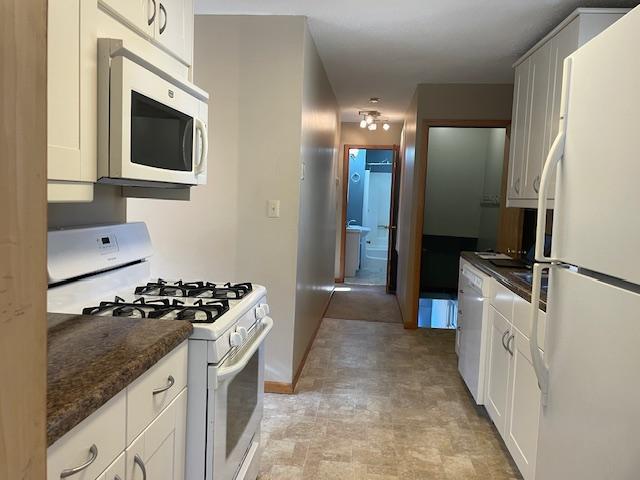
541, 369
553, 158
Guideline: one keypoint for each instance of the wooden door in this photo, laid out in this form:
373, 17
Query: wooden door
23, 281
392, 255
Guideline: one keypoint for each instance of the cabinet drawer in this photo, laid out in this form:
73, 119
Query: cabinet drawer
522, 319
502, 300
104, 428
143, 405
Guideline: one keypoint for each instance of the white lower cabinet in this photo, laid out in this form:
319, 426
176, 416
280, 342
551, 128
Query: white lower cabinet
521, 435
499, 363
98, 449
115, 471
512, 396
158, 453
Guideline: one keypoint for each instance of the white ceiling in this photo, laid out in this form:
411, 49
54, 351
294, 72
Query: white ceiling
385, 48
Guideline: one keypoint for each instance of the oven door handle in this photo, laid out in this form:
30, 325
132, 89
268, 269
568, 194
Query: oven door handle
238, 364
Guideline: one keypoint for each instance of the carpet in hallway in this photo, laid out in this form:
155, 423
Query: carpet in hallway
359, 302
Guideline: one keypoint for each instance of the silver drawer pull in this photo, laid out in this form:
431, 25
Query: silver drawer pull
72, 471
170, 382
138, 461
117, 477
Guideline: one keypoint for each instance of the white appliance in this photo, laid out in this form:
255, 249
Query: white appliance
152, 127
473, 327
105, 271
588, 374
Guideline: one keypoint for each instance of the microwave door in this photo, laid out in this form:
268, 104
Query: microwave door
161, 137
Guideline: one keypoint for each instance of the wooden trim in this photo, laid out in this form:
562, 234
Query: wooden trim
345, 184
411, 322
278, 387
393, 222
23, 196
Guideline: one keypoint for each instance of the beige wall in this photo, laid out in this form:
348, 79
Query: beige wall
253, 67
316, 227
108, 206
433, 102
352, 134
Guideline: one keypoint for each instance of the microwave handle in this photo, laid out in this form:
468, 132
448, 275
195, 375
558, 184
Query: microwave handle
201, 164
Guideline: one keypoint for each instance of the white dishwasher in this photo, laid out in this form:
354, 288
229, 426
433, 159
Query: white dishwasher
473, 327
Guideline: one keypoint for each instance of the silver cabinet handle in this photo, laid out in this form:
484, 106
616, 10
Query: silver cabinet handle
510, 350
170, 382
516, 186
504, 345
93, 451
137, 460
536, 184
153, 17
164, 11
117, 477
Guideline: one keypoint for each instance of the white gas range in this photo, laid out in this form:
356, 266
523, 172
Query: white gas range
105, 270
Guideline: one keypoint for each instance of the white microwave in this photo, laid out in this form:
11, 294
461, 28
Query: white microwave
152, 127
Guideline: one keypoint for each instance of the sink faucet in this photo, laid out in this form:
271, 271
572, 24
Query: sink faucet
350, 222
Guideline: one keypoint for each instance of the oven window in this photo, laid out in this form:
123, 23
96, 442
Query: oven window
161, 137
242, 399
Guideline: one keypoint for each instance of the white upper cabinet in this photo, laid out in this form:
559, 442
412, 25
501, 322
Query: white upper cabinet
141, 14
536, 100
71, 99
174, 27
168, 24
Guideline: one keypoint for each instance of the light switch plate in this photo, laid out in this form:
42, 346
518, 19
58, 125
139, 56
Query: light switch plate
273, 208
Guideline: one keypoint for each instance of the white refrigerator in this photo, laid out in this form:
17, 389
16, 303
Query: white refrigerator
589, 373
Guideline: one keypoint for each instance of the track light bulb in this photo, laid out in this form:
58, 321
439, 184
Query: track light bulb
369, 119
363, 123
373, 126
386, 126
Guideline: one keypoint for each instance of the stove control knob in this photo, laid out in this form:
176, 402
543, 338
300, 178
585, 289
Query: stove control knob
243, 333
262, 311
235, 339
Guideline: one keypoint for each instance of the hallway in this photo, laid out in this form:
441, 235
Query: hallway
376, 401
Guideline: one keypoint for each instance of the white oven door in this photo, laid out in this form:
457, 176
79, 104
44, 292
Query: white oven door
234, 408
155, 130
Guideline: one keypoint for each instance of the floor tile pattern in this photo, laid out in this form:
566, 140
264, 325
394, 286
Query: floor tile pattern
377, 402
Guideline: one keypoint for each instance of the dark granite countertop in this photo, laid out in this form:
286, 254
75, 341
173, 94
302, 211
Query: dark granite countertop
91, 359
506, 277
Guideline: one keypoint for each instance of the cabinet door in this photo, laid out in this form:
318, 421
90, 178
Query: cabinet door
539, 91
140, 14
498, 364
519, 129
562, 45
174, 27
460, 312
524, 407
160, 449
115, 471
71, 91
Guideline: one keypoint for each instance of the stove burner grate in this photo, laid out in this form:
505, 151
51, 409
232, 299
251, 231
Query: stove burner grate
162, 288
199, 312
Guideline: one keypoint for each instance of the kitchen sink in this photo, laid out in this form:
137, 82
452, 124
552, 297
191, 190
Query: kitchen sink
527, 277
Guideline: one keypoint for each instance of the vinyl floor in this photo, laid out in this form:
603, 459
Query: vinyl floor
376, 401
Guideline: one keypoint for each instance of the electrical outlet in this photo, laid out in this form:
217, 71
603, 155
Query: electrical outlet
273, 208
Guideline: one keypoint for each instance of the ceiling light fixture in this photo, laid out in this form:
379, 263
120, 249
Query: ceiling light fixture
370, 119
374, 100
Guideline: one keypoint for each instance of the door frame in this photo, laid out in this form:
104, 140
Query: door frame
509, 218
345, 186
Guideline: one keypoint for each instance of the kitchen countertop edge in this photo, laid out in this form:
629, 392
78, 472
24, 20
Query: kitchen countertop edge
97, 373
504, 276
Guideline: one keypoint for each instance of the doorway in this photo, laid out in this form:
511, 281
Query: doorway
368, 237
461, 212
